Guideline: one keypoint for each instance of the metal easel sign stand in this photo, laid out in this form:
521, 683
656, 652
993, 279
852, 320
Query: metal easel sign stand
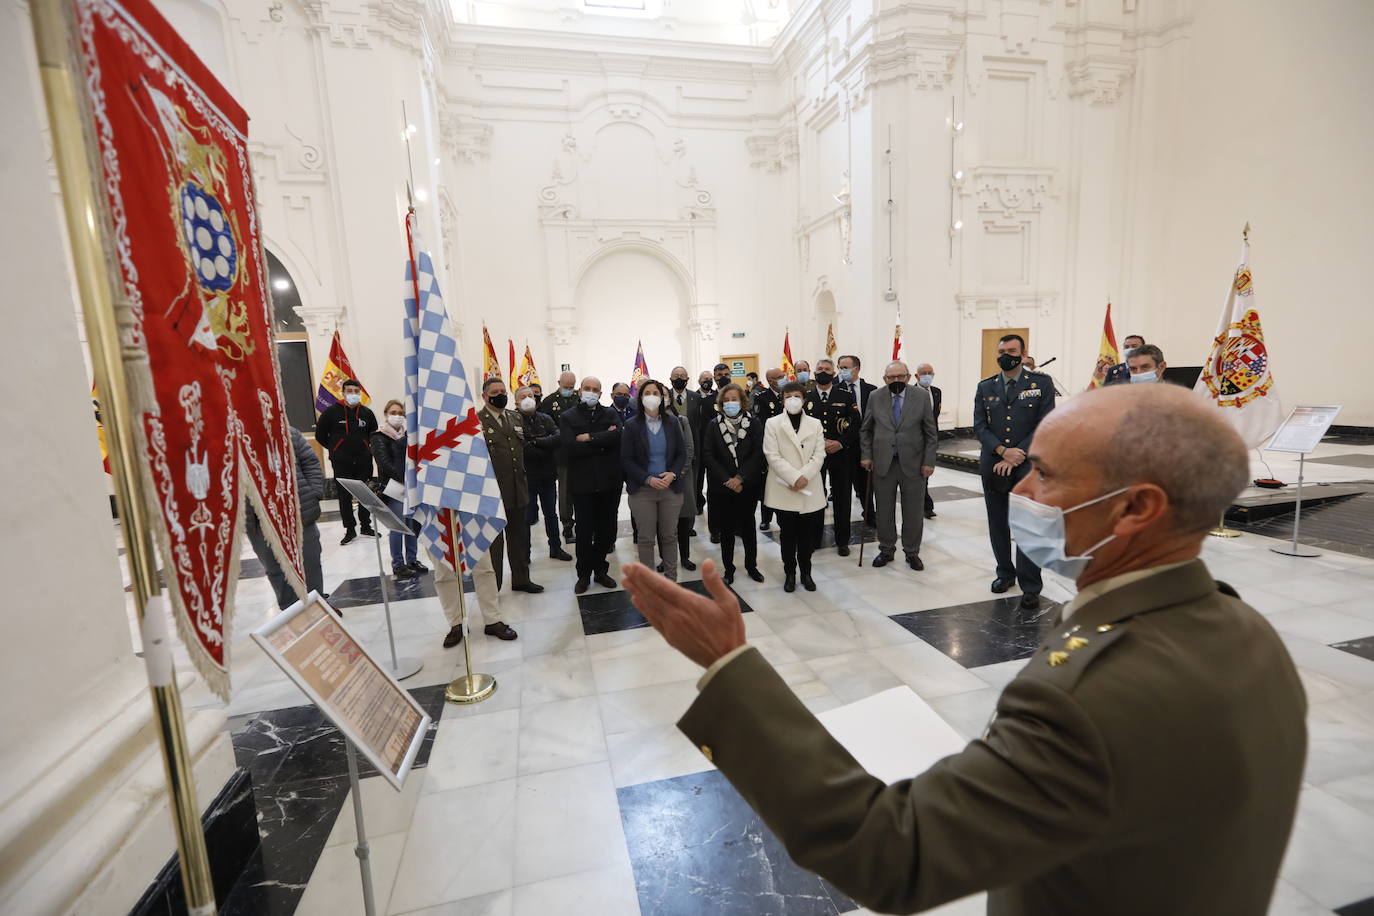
401, 668
1301, 432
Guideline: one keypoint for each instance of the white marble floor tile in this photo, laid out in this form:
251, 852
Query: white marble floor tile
1325, 588
1321, 624
659, 666
1356, 791
1357, 607
336, 884
644, 707
1000, 674
568, 821
542, 635
1340, 741
556, 676
853, 675
461, 844
654, 753
1331, 854
815, 636
563, 733
500, 903
473, 751
604, 891
870, 627
927, 670
509, 676
967, 713
623, 643
1289, 901
1352, 673
385, 810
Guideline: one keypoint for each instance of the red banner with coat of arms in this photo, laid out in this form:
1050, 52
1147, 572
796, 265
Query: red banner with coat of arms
182, 226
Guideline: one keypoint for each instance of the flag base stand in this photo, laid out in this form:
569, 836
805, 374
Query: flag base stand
1221, 531
470, 688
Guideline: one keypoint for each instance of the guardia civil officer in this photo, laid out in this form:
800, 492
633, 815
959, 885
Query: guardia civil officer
1006, 411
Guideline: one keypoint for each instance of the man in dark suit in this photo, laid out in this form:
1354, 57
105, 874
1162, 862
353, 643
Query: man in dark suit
591, 439
504, 431
897, 442
1007, 408
850, 376
1158, 730
696, 406
564, 398
925, 377
541, 469
839, 415
767, 404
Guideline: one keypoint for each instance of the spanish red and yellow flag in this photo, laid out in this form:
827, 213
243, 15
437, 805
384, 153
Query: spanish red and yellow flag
789, 371
1107, 353
510, 346
337, 370
491, 366
830, 346
528, 375
100, 430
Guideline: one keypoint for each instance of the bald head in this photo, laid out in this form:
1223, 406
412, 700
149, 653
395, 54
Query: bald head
592, 383
1162, 435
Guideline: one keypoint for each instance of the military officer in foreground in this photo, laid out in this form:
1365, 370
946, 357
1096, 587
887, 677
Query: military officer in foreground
1006, 411
1146, 760
835, 407
504, 430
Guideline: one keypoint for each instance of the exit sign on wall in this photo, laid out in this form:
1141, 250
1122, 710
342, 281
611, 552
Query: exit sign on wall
737, 334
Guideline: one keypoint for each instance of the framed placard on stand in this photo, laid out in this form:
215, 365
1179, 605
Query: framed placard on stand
1300, 433
310, 642
403, 667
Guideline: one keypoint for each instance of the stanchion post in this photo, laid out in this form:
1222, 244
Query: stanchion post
467, 688
386, 606
362, 850
1295, 550
53, 37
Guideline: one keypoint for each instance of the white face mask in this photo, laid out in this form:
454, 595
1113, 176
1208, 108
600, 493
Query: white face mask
925, 380
1150, 376
652, 402
1039, 533
591, 398
793, 405
353, 399
397, 420
528, 405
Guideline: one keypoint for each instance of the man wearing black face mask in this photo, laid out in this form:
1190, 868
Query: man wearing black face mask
620, 400
838, 412
1006, 410
719, 378
504, 431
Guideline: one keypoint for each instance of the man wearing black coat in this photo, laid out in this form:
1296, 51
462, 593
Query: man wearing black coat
693, 405
839, 415
564, 398
925, 376
542, 442
850, 368
345, 430
590, 433
767, 404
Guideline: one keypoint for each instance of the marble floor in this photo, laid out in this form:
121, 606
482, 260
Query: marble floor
571, 791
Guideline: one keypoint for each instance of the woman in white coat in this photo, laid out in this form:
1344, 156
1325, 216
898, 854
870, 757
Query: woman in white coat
794, 445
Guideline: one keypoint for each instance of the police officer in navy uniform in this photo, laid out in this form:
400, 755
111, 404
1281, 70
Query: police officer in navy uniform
1006, 411
835, 407
766, 402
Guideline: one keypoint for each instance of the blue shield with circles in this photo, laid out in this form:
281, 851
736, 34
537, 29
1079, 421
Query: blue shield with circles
209, 239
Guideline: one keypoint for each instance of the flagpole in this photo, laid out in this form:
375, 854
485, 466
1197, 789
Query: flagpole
466, 688
52, 36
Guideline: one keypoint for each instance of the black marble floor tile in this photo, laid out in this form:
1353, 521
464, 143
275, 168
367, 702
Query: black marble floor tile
610, 612
698, 849
857, 529
1345, 525
1354, 460
1364, 647
1359, 908
368, 590
983, 632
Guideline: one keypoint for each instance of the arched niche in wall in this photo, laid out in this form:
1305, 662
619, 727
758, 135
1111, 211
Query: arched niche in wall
627, 295
293, 346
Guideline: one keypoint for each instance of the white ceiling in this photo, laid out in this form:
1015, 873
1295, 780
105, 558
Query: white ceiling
740, 22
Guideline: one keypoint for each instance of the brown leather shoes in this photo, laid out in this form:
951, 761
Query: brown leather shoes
500, 630
454, 637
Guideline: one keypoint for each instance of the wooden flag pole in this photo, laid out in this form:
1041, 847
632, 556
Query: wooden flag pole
53, 36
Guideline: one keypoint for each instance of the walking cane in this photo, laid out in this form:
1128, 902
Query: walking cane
868, 498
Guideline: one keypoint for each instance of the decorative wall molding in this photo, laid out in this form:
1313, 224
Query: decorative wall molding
1005, 306
773, 152
1010, 191
1101, 78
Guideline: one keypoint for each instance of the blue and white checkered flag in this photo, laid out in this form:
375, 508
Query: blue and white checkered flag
448, 466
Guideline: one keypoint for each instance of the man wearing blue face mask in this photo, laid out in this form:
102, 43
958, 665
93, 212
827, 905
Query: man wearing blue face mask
1007, 408
1158, 729
1147, 364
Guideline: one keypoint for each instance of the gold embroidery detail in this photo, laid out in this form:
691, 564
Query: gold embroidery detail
1058, 658
1075, 642
1105, 628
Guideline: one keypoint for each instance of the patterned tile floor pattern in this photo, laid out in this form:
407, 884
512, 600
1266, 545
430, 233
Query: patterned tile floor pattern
534, 802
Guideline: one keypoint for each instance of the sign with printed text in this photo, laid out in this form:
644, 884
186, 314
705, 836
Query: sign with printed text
310, 643
1303, 429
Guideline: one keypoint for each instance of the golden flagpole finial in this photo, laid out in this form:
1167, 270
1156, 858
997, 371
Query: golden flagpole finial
1245, 233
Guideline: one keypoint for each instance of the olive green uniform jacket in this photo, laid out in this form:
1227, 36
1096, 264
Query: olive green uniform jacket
1147, 761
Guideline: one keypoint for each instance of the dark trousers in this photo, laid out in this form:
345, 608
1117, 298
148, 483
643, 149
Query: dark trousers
596, 529
800, 535
310, 550
565, 498
860, 477
734, 514
699, 475
544, 491
514, 543
930, 503
684, 538
352, 469
996, 491
838, 471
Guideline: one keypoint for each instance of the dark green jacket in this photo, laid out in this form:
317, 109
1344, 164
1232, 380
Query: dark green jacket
1147, 761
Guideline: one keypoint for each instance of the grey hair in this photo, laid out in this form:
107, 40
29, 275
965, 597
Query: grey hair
1168, 436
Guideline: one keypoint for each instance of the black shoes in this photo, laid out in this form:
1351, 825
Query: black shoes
1000, 585
454, 637
764, 526
882, 559
715, 537
370, 532
807, 582
349, 536
530, 587
930, 513
843, 550
604, 580
582, 584
568, 537
789, 583
419, 568
686, 563
558, 553
914, 561
1030, 602
403, 572
754, 573
500, 630
729, 577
